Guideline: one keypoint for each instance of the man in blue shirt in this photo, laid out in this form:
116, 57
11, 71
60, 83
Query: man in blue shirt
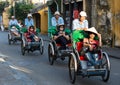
13, 21
57, 20
29, 21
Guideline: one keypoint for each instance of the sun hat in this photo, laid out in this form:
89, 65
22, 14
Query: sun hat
83, 13
92, 29
57, 13
29, 15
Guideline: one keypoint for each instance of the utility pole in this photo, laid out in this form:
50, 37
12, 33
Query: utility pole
70, 12
14, 7
93, 13
57, 5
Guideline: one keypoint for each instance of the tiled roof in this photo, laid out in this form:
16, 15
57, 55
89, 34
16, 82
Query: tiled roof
38, 8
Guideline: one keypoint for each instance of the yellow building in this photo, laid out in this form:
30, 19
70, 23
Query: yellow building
5, 18
44, 20
40, 17
115, 8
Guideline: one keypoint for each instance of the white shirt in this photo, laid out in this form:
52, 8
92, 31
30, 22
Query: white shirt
76, 24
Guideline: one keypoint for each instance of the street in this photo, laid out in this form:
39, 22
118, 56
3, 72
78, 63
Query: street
34, 68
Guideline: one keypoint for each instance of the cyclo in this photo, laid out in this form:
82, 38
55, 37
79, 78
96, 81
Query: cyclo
79, 63
31, 41
56, 49
14, 34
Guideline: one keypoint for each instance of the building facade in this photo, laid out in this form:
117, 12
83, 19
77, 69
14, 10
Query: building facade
40, 16
115, 21
107, 20
102, 14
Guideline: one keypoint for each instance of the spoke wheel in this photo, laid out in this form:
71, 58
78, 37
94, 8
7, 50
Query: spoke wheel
22, 48
41, 46
9, 40
106, 65
50, 55
72, 66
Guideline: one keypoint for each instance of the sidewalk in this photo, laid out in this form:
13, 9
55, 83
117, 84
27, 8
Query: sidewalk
112, 52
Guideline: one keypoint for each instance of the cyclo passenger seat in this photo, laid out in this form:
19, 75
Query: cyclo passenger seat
79, 45
27, 37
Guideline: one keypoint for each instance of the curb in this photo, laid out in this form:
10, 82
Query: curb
114, 56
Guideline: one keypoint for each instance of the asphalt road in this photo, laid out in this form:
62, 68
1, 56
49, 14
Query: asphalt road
34, 69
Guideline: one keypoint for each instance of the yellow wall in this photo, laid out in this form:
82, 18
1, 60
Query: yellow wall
44, 20
116, 20
5, 18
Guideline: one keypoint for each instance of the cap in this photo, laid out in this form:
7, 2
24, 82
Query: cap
57, 13
12, 16
83, 13
29, 15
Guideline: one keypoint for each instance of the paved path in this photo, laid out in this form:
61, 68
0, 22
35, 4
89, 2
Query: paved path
10, 75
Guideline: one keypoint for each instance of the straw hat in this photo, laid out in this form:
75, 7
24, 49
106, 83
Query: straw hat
83, 13
92, 29
57, 13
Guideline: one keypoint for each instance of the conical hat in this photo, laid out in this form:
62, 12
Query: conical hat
92, 29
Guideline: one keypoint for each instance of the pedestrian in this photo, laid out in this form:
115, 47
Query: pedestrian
29, 21
13, 21
57, 19
1, 23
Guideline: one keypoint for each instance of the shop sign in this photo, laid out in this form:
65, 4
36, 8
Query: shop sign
72, 1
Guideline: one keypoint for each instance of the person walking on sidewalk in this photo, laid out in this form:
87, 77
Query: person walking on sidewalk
1, 23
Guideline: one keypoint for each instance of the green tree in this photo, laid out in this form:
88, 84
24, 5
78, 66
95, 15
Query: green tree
2, 6
21, 10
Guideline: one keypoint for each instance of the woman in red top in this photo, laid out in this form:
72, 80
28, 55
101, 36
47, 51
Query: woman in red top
31, 34
92, 44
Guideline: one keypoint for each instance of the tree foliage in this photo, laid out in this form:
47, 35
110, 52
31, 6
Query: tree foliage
2, 6
21, 10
